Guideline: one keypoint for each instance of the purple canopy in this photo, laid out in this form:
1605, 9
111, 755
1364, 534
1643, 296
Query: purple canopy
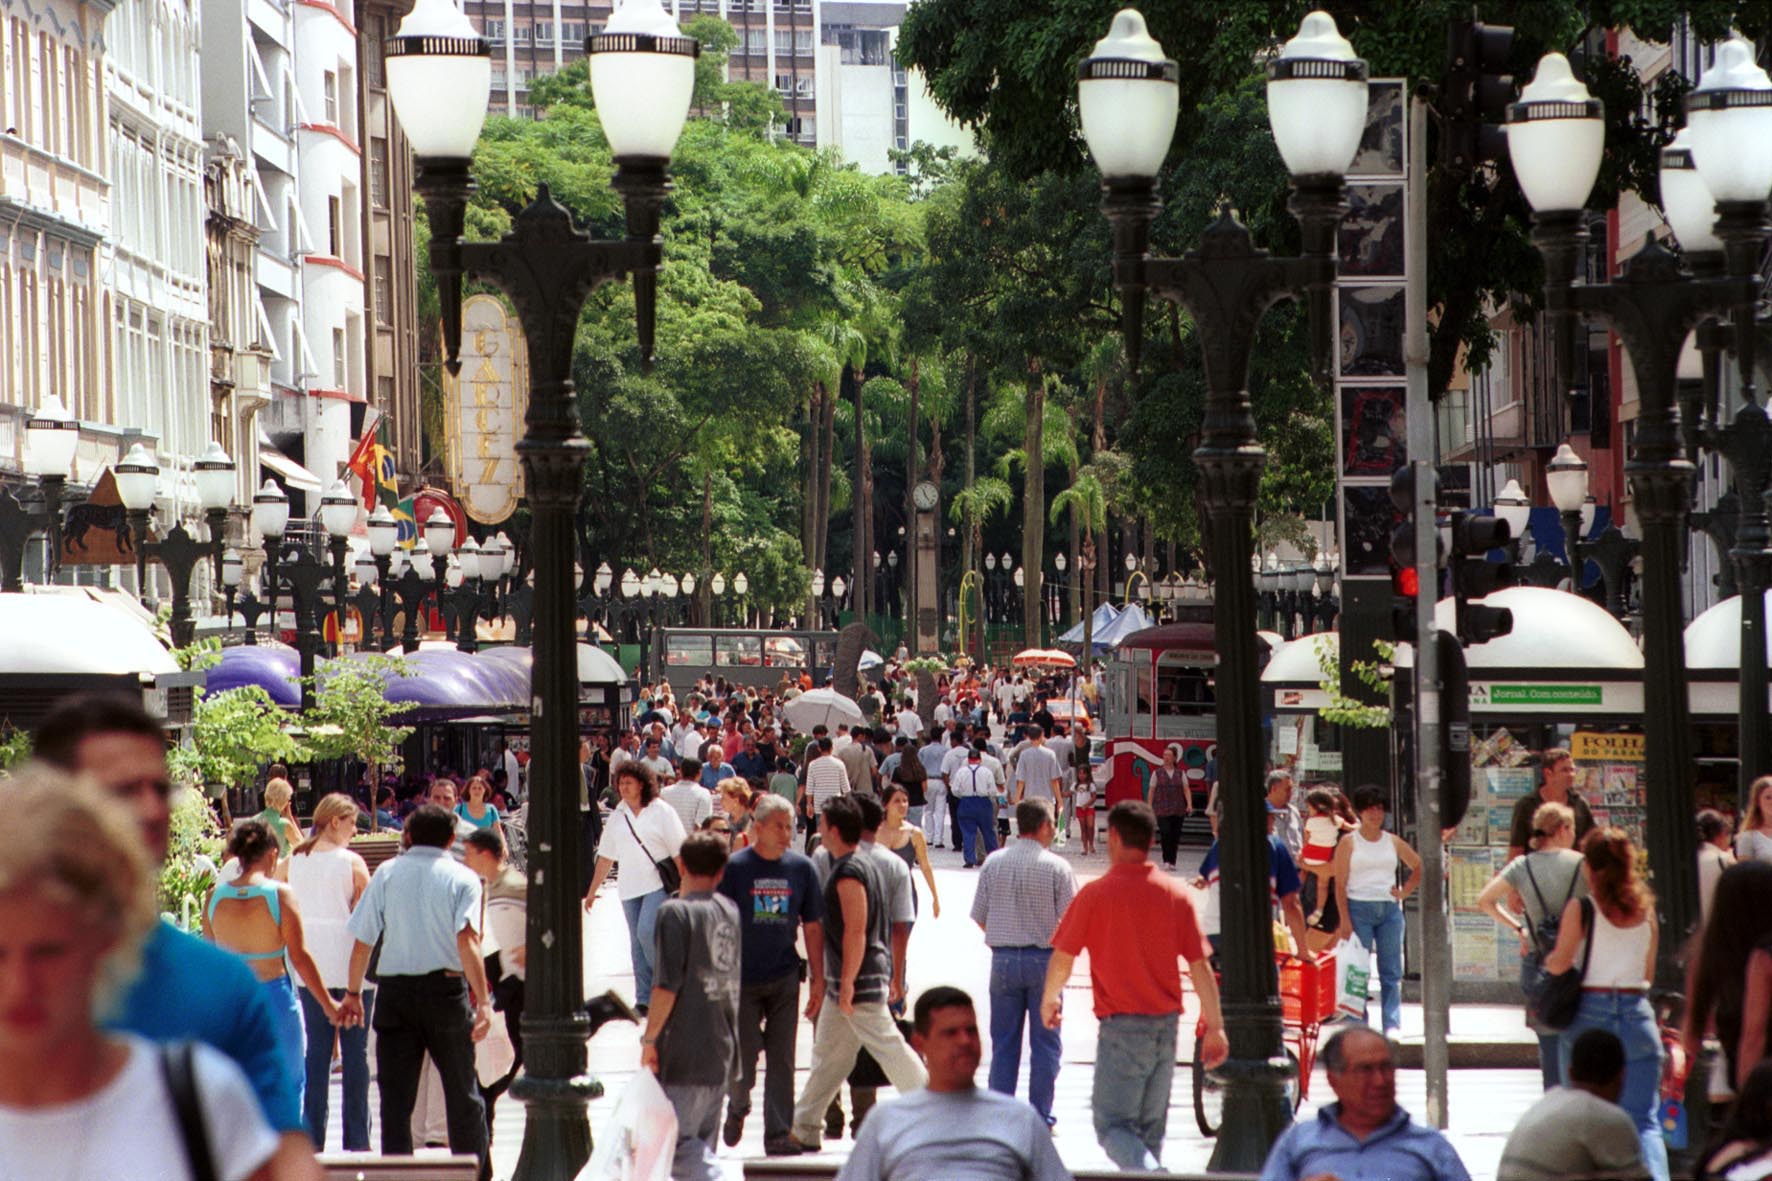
442, 683
277, 670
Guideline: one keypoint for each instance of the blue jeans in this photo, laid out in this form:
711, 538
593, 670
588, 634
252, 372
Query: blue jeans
280, 992
1379, 925
1134, 1066
1629, 1016
642, 915
1018, 980
978, 817
353, 1052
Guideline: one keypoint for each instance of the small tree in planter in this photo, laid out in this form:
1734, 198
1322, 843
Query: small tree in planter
15, 747
192, 854
232, 735
349, 718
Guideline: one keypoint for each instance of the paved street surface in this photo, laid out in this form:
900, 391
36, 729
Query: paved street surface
1485, 1104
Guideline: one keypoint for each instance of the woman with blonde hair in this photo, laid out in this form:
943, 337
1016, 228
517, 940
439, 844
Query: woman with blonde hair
1754, 841
738, 801
279, 816
259, 918
76, 902
1620, 962
328, 879
1543, 881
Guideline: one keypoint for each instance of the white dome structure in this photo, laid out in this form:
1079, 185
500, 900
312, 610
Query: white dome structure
1296, 662
1713, 640
1552, 630
53, 634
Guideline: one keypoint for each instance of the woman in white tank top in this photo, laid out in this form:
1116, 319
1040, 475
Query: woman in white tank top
328, 879
1371, 899
1615, 986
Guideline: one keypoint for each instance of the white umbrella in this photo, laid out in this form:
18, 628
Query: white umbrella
821, 707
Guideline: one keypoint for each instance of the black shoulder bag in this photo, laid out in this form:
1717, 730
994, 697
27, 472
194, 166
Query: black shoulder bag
666, 866
177, 1065
1555, 999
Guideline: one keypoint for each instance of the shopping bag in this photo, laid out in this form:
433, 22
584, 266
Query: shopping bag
1353, 978
639, 1140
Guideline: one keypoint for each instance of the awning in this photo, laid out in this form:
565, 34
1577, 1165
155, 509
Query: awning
292, 472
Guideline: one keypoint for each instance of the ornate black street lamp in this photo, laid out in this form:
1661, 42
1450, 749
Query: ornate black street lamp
1327, 605
818, 607
137, 477
1555, 138
1127, 98
414, 574
52, 435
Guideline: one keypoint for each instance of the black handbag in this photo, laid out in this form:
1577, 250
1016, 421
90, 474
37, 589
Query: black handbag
666, 866
1555, 999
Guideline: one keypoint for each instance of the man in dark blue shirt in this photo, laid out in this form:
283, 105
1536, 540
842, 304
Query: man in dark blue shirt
750, 763
776, 890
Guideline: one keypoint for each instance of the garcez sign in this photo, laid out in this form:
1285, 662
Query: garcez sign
483, 411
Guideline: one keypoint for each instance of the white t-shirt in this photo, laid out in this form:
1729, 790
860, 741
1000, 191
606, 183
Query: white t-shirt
909, 724
661, 835
129, 1128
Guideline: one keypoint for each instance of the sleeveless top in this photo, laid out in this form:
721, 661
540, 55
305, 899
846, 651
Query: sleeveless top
264, 890
321, 879
1372, 868
1618, 954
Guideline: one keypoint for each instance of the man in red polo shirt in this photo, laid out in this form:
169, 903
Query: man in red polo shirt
1137, 925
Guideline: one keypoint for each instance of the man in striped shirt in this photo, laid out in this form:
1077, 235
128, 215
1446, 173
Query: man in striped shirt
1023, 891
826, 779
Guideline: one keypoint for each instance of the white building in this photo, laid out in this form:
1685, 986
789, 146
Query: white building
156, 260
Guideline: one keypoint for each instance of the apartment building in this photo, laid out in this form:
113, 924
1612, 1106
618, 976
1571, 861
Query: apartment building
55, 220
239, 356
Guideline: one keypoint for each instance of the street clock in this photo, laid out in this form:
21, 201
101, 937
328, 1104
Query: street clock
925, 495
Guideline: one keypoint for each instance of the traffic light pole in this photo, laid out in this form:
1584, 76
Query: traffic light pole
1436, 944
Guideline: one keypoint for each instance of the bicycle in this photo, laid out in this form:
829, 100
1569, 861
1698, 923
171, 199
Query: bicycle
1307, 999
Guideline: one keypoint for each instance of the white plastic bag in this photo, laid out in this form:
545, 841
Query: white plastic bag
1353, 978
638, 1141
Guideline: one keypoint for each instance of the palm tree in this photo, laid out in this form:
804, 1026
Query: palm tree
1086, 502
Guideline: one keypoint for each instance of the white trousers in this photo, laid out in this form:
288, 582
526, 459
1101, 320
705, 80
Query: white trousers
935, 812
837, 1039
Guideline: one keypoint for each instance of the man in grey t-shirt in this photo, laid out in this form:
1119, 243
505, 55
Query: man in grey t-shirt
1037, 773
691, 1038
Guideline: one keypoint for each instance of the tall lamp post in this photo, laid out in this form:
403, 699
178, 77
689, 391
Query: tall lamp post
1555, 139
1127, 97
137, 476
642, 72
52, 435
818, 617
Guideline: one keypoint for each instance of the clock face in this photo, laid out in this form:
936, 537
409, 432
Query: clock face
925, 495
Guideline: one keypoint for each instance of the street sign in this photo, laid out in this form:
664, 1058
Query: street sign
1546, 695
484, 410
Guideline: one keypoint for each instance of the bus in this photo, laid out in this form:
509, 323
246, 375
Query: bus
744, 656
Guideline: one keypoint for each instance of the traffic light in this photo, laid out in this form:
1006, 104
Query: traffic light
1405, 578
1455, 730
1475, 94
1474, 576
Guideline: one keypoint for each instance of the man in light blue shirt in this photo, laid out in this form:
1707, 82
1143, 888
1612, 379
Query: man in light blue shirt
433, 997
1364, 1136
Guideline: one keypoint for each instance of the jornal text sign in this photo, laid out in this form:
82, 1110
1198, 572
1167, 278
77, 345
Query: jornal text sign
483, 411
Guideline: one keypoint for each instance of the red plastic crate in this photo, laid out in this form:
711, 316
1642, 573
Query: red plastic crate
1307, 989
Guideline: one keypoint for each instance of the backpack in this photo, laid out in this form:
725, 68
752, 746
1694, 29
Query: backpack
1544, 932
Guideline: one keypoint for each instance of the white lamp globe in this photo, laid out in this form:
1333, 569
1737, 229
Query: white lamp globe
52, 435
422, 561
688, 583
668, 584
270, 510
1686, 199
1555, 137
452, 572
578, 575
439, 72
1512, 506
469, 557
740, 584
397, 563
233, 569
338, 510
1566, 478
383, 530
1059, 561
365, 569
137, 476
604, 578
1128, 97
817, 584
630, 583
642, 78
838, 586
509, 548
440, 532
213, 472
1316, 99
1729, 118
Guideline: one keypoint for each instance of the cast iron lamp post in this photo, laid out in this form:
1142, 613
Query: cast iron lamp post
718, 586
1127, 97
52, 435
338, 515
270, 517
642, 74
741, 586
1746, 443
137, 476
818, 616
1555, 139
